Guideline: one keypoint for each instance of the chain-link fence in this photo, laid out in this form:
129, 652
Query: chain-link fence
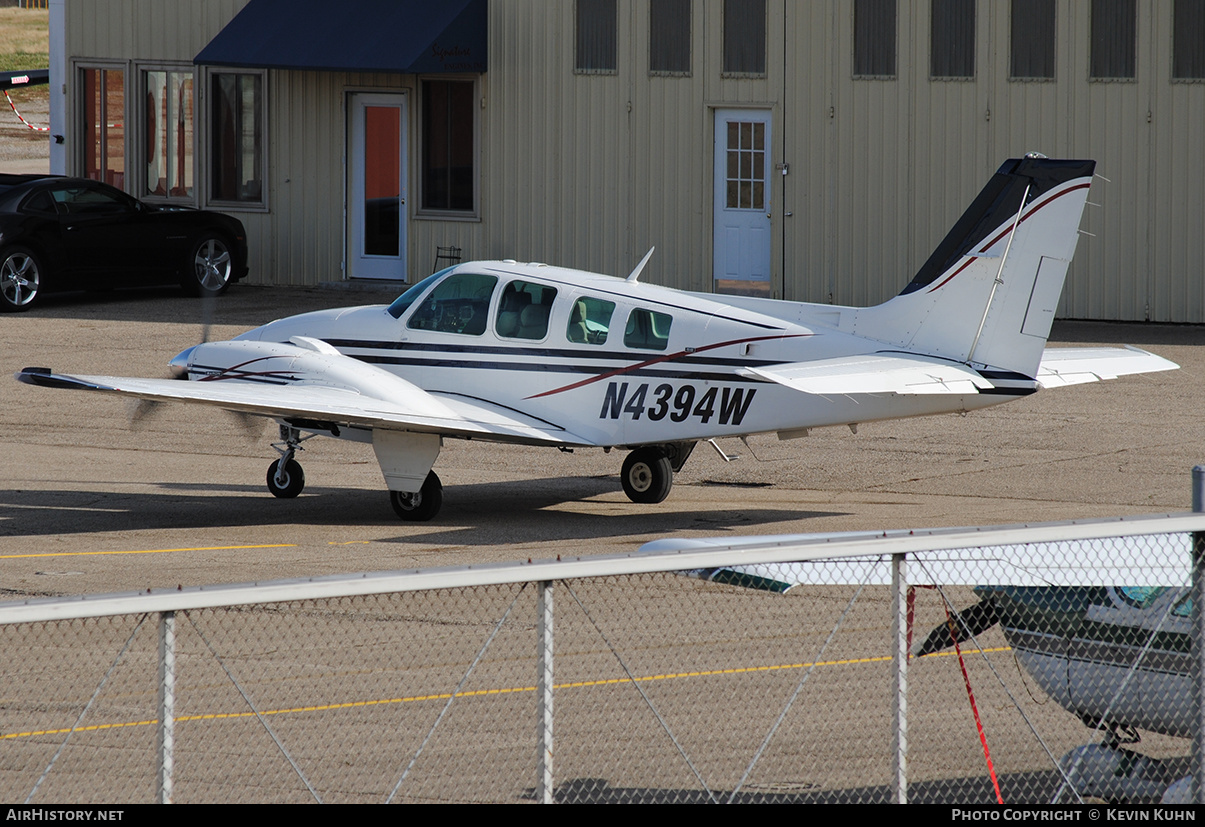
672, 676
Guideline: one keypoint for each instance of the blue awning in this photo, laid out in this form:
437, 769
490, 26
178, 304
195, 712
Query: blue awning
408, 36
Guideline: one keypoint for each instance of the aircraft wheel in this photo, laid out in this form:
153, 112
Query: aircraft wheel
423, 504
647, 475
290, 484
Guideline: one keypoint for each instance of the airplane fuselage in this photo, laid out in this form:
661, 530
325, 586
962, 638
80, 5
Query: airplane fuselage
653, 366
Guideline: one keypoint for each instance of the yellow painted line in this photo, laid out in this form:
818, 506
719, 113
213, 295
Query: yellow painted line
350, 543
144, 551
217, 716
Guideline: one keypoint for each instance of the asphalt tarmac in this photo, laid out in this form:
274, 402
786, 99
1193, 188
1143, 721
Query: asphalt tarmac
95, 497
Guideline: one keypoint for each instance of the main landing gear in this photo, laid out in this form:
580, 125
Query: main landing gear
648, 472
285, 477
423, 504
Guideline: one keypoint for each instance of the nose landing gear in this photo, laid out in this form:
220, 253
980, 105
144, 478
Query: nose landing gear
285, 477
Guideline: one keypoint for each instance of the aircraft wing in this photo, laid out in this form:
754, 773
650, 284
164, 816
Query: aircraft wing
1075, 365
897, 373
1154, 560
411, 410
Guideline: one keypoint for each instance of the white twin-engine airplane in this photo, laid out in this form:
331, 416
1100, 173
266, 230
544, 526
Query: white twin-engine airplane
525, 353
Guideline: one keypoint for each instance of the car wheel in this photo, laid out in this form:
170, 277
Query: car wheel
20, 279
209, 267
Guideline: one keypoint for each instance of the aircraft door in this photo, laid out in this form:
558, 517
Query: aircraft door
376, 186
741, 201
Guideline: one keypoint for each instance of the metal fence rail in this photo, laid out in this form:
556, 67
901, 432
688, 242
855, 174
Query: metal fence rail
608, 679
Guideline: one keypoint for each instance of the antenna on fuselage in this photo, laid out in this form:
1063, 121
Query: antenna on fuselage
636, 273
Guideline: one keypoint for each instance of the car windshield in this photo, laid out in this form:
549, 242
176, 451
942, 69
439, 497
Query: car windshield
402, 303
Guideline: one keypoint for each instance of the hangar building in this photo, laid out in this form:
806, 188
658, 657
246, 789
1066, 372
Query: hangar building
811, 151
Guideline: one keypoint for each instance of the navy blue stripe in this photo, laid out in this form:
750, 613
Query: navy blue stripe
374, 359
547, 353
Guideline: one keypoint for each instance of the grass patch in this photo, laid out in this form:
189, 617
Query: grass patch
24, 61
25, 31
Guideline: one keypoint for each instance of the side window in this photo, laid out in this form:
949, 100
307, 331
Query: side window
647, 329
39, 202
589, 321
90, 200
459, 304
523, 311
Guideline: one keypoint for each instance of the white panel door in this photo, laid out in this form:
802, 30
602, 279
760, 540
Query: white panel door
742, 195
377, 186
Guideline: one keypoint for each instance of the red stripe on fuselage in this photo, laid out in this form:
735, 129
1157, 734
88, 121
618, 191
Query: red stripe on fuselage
667, 358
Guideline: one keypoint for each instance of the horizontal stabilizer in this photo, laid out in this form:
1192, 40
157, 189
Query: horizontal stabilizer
875, 373
1076, 365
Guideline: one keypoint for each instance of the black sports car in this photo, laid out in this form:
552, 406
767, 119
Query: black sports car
78, 234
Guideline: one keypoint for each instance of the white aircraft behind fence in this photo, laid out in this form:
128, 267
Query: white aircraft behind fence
525, 353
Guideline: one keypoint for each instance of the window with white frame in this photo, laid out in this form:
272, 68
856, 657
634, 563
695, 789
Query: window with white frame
237, 138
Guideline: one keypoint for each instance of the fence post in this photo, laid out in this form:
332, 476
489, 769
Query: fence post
167, 703
544, 690
899, 659
1198, 637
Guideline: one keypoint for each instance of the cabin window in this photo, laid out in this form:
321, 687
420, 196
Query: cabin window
237, 138
647, 329
874, 38
952, 42
669, 37
597, 36
459, 304
745, 37
1032, 40
589, 321
1114, 34
524, 310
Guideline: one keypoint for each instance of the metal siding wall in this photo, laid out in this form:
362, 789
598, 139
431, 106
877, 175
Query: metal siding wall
879, 169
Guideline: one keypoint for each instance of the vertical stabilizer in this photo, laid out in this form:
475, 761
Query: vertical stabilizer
987, 294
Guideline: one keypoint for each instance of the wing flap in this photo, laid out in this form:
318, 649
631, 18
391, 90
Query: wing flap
893, 373
1076, 365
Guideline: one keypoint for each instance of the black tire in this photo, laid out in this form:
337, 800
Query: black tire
422, 505
209, 267
647, 475
294, 480
21, 277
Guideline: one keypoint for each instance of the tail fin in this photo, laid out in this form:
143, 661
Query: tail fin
988, 293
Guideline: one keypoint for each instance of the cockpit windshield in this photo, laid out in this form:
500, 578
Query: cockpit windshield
403, 302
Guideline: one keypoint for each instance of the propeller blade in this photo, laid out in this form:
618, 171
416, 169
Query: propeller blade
973, 620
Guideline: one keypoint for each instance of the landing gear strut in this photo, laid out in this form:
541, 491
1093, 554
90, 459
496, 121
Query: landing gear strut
423, 504
285, 477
